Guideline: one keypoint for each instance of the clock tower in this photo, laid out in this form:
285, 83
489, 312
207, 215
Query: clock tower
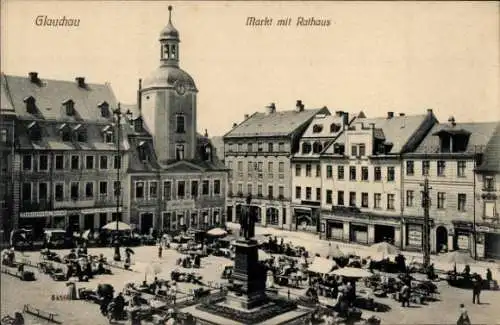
168, 102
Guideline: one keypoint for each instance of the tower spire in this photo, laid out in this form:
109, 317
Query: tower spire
170, 14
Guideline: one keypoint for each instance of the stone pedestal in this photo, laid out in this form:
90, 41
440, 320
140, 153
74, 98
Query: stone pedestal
248, 276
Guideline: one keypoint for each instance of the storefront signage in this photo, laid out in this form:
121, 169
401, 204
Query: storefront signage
105, 210
181, 205
463, 242
40, 214
415, 235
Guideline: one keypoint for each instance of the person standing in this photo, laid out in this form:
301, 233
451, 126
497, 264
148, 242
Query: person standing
405, 295
463, 318
160, 250
476, 289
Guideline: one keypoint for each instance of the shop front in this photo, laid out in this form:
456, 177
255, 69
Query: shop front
229, 213
358, 233
488, 241
414, 236
334, 230
384, 233
462, 234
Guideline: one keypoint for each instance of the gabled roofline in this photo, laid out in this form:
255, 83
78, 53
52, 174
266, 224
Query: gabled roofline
182, 162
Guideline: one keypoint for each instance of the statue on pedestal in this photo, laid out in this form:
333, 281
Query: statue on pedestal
247, 220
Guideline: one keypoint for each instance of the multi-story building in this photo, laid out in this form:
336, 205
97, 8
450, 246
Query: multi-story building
307, 182
361, 171
174, 177
258, 151
447, 158
7, 127
63, 170
488, 200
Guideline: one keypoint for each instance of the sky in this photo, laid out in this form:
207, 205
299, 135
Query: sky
376, 57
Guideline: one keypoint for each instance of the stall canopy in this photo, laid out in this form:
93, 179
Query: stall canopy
217, 232
122, 226
332, 251
322, 265
455, 257
352, 272
384, 248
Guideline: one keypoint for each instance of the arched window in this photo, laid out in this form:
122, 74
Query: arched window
306, 147
317, 147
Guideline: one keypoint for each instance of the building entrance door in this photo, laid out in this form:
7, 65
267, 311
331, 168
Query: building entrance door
441, 238
146, 222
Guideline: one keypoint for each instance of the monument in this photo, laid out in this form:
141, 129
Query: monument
246, 301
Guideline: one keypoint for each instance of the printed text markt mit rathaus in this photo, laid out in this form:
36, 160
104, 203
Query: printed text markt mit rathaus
299, 21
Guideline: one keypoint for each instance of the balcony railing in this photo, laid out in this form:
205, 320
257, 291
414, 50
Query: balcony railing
489, 188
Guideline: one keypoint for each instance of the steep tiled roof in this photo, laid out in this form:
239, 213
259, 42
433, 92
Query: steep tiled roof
50, 94
279, 123
397, 130
491, 158
320, 126
480, 134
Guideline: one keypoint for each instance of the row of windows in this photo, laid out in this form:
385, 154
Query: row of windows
441, 200
261, 147
31, 162
377, 198
441, 167
270, 190
75, 189
258, 166
353, 172
152, 191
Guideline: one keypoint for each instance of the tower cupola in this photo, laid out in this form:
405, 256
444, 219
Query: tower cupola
169, 40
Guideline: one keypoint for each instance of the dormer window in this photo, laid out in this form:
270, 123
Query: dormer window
338, 149
142, 151
69, 106
207, 152
306, 148
107, 133
453, 140
104, 107
35, 132
334, 128
317, 128
65, 132
30, 105
80, 133
317, 147
180, 124
179, 152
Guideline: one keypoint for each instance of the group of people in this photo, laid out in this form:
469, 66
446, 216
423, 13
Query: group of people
9, 257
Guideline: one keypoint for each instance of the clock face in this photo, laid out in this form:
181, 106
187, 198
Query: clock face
180, 88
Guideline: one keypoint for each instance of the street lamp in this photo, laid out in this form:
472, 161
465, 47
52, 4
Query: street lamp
117, 188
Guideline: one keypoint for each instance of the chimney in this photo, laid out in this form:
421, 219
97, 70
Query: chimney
338, 113
235, 125
402, 114
429, 111
246, 116
451, 121
80, 81
299, 106
271, 108
34, 77
390, 115
139, 97
372, 126
345, 118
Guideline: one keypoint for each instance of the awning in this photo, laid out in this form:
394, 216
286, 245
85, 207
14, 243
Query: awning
40, 214
322, 265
